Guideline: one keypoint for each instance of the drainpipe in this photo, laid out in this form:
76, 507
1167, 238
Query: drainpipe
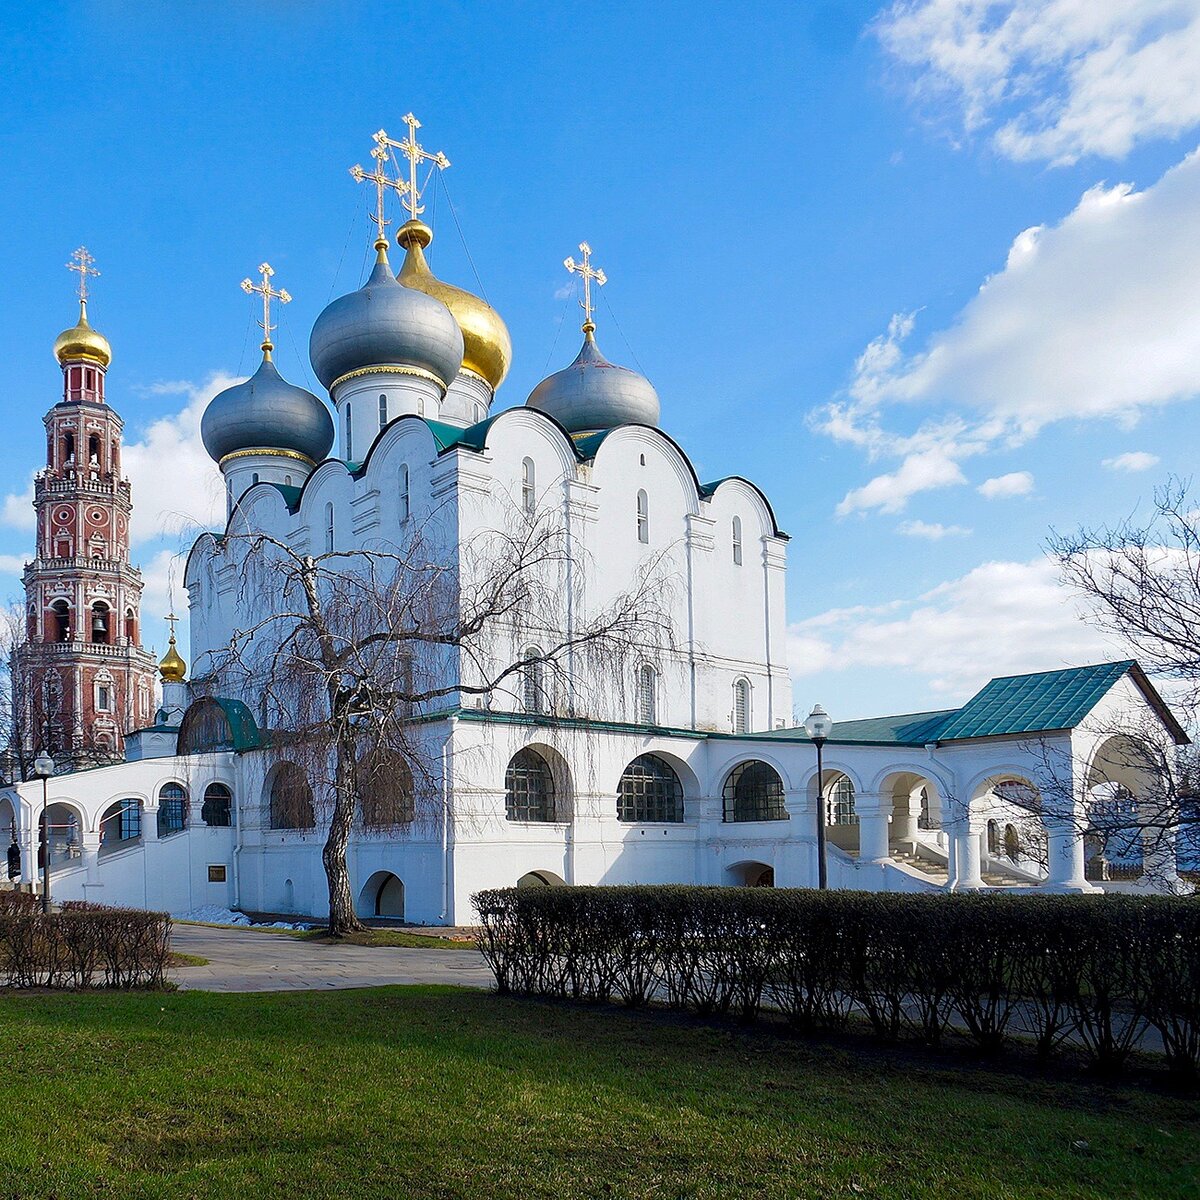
237, 850
446, 822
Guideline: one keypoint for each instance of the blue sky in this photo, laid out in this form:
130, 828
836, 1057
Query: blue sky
769, 198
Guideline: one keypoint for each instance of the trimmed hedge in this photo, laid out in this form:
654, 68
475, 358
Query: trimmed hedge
82, 946
1098, 971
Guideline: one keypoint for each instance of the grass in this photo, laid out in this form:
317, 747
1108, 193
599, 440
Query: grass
441, 1092
178, 959
382, 937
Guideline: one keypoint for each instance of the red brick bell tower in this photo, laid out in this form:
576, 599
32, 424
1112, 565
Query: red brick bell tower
84, 680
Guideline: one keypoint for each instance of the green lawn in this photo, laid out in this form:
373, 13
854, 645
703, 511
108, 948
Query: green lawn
437, 1092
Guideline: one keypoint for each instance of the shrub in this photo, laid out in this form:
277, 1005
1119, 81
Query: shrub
1098, 971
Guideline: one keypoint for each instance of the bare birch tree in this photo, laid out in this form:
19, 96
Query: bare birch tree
352, 653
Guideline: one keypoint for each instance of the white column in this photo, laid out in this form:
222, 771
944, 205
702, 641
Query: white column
797, 865
1064, 855
873, 812
965, 873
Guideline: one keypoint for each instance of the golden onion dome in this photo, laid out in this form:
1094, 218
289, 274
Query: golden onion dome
82, 341
487, 348
171, 666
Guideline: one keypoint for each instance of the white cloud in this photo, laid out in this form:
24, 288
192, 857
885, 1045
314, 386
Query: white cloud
13, 564
1052, 80
1000, 618
18, 511
1134, 460
162, 592
890, 492
1015, 483
932, 531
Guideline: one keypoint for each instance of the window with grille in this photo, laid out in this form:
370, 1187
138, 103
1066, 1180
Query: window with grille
529, 788
737, 541
172, 809
643, 516
291, 799
528, 487
349, 432
382, 411
385, 789
647, 698
329, 526
121, 823
741, 706
533, 690
405, 505
649, 791
753, 791
217, 809
840, 799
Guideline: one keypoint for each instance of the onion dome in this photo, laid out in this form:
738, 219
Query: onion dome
487, 348
266, 413
171, 666
593, 394
81, 341
385, 324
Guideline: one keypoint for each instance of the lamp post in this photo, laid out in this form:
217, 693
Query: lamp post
818, 726
43, 768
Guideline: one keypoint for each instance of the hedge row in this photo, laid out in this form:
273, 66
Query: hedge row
1097, 971
83, 946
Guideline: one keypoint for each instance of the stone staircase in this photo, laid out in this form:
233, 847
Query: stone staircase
939, 873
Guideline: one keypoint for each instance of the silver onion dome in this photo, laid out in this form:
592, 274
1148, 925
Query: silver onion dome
385, 324
593, 394
266, 412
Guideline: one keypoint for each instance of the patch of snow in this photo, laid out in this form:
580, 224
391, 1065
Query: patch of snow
214, 914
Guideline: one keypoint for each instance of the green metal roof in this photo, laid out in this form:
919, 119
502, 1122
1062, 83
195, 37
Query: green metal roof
907, 729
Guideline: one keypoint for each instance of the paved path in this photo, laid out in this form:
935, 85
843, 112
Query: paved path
245, 960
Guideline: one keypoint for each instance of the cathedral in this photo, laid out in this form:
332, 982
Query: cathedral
678, 761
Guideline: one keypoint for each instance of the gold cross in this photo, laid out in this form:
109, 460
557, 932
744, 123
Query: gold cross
82, 262
415, 155
170, 619
589, 273
268, 293
382, 181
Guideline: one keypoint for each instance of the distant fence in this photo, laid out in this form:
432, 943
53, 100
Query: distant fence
83, 946
1099, 972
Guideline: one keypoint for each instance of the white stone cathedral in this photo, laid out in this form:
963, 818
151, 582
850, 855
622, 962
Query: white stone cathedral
688, 769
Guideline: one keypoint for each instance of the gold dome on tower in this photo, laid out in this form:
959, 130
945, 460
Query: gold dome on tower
81, 341
487, 347
171, 666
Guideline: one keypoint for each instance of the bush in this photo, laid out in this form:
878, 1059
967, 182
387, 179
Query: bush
1096, 971
83, 946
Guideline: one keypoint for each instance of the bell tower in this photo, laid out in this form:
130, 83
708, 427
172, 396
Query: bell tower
84, 679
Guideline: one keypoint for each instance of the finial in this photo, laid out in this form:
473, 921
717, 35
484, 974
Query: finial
171, 666
589, 273
383, 182
415, 155
81, 262
268, 294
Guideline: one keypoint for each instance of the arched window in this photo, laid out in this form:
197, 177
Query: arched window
382, 410
385, 789
741, 706
60, 626
1012, 842
122, 822
840, 799
130, 627
405, 500
649, 791
533, 683
291, 799
753, 791
993, 838
349, 431
643, 516
253, 478
217, 809
647, 695
329, 526
529, 788
31, 624
737, 541
926, 820
100, 623
93, 447
172, 809
528, 487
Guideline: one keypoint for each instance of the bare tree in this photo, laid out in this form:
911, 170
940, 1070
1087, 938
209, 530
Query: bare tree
352, 652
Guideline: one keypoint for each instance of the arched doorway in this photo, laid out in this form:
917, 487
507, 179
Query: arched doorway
382, 896
751, 874
60, 826
541, 879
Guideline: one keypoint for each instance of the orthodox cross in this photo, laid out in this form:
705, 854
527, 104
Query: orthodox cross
589, 273
415, 155
382, 181
268, 293
81, 261
170, 619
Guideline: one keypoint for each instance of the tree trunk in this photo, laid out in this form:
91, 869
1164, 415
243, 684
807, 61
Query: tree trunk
342, 917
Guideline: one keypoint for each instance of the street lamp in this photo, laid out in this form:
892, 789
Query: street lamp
43, 768
818, 726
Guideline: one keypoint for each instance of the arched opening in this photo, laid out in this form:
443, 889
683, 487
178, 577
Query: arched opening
291, 803
993, 838
382, 896
60, 825
172, 809
217, 809
647, 695
753, 791
1014, 804
1131, 813
58, 628
649, 791
737, 541
101, 631
130, 627
93, 450
533, 681
120, 826
643, 517
529, 793
741, 706
541, 879
385, 789
383, 413
528, 487
405, 499
750, 874
8, 840
1012, 842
